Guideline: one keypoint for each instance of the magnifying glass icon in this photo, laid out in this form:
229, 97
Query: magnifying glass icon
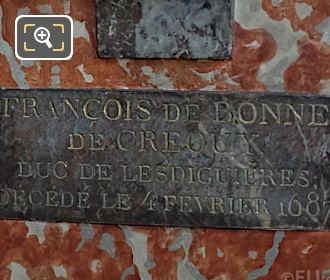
41, 35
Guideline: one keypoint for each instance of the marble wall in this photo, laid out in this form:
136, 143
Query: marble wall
279, 45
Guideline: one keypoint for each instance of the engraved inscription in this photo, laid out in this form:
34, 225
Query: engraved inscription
166, 158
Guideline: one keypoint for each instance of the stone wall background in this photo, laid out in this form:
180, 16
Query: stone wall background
279, 45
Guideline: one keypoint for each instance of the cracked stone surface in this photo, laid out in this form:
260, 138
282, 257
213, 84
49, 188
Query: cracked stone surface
274, 48
165, 29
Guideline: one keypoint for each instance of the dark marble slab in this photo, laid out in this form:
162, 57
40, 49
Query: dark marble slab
234, 160
165, 29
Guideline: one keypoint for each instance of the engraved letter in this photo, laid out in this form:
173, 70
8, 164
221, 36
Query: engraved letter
303, 179
125, 171
319, 113
124, 202
32, 199
184, 204
57, 167
207, 178
169, 205
287, 180
276, 116
76, 141
83, 200
222, 112
86, 172
292, 110
149, 136
97, 142
67, 200
4, 197
169, 142
67, 103
216, 203
196, 142
172, 112
104, 172
252, 113
145, 173
9, 106
128, 144
25, 169
193, 113
118, 110
87, 111
145, 111
30, 103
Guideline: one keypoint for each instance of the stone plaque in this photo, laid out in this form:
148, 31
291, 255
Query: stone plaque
165, 29
234, 160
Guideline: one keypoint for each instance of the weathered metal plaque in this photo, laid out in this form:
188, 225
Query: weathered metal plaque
165, 29
234, 160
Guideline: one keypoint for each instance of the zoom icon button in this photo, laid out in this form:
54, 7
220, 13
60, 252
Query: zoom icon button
43, 37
